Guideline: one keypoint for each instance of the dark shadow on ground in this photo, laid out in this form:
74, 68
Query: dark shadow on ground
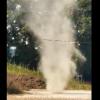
14, 91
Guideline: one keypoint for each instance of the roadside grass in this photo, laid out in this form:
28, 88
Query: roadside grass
17, 71
22, 70
78, 85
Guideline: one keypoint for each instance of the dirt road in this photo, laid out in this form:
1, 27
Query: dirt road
38, 94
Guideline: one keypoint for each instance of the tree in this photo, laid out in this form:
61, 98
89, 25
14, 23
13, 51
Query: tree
20, 36
82, 19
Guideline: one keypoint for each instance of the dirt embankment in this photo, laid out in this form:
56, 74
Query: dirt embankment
15, 83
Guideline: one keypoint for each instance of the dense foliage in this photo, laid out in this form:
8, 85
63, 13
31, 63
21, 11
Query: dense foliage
19, 36
82, 19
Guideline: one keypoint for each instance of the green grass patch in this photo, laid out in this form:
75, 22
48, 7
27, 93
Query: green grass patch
78, 85
21, 70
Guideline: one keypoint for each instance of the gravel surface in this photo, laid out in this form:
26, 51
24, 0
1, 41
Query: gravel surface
41, 94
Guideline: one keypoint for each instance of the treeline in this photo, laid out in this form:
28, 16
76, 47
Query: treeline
27, 47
